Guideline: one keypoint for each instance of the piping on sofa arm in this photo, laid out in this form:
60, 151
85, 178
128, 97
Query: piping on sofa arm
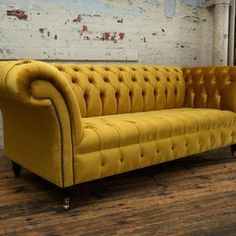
212, 87
34, 90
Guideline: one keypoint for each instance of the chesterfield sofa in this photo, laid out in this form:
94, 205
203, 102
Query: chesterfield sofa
71, 124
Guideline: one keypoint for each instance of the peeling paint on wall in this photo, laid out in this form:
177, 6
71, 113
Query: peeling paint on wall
18, 14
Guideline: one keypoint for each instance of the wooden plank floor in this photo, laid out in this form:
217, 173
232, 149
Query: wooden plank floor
190, 196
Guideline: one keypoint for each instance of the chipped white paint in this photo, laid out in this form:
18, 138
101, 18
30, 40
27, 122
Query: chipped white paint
106, 30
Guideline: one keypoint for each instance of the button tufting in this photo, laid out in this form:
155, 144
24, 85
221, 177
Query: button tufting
155, 92
85, 95
157, 79
76, 69
105, 79
91, 68
146, 79
120, 79
106, 69
90, 80
102, 94
134, 79
133, 69
141, 155
117, 94
130, 93
168, 79
143, 92
74, 81
145, 69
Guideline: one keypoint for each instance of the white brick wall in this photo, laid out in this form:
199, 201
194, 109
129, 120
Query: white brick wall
106, 30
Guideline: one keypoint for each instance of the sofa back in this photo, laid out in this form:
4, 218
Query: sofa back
112, 89
209, 86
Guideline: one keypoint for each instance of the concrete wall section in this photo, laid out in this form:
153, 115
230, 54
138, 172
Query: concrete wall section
142, 31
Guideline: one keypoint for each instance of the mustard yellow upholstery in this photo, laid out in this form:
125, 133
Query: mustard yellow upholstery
74, 123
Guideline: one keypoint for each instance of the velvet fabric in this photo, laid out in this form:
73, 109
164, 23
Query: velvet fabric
74, 123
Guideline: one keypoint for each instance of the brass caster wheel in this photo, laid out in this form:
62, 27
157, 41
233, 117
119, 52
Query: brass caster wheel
66, 204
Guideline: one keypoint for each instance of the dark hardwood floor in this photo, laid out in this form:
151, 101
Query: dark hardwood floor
190, 196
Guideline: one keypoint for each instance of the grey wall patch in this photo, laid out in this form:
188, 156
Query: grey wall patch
170, 7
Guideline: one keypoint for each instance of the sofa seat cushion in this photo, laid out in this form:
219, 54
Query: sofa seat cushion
119, 143
107, 132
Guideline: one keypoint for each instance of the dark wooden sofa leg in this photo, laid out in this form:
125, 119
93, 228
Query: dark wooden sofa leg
66, 194
16, 168
233, 149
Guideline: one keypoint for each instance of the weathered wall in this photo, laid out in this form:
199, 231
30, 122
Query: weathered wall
173, 32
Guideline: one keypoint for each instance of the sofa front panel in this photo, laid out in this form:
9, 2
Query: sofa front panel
212, 87
112, 89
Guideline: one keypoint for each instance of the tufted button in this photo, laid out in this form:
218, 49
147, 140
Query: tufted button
117, 94
157, 151
176, 70
102, 94
141, 155
177, 79
157, 79
120, 79
134, 79
105, 79
166, 92
106, 69
155, 92
103, 162
176, 91
167, 69
172, 147
145, 69
186, 144
74, 80
121, 159
85, 95
90, 80
146, 79
92, 68
133, 69
121, 69
156, 69
143, 92
130, 93
76, 69
168, 79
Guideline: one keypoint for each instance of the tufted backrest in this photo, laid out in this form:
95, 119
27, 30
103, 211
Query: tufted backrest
111, 89
205, 85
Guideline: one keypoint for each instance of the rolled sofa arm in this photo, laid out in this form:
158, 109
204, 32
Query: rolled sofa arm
211, 87
36, 96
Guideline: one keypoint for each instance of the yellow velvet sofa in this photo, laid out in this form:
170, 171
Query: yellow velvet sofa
75, 123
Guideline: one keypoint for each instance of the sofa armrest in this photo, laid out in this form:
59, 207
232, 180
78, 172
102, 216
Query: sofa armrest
41, 119
211, 87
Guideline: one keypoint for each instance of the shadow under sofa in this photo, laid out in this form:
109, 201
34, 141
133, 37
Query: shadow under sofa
71, 124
